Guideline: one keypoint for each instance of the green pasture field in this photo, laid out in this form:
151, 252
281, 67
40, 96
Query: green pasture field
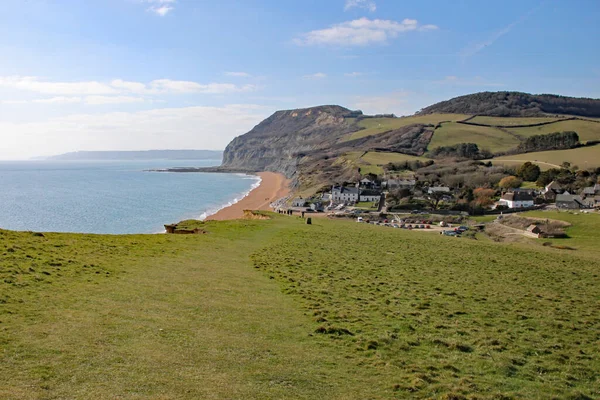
585, 129
583, 157
492, 139
509, 121
272, 309
375, 126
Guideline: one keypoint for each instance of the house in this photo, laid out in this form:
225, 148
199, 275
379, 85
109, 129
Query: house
317, 206
367, 183
392, 184
534, 229
551, 190
370, 195
438, 189
516, 200
591, 191
298, 202
531, 192
344, 194
570, 202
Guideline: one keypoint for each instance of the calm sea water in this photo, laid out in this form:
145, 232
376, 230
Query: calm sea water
111, 196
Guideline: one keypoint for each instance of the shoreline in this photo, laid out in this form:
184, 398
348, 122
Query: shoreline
272, 187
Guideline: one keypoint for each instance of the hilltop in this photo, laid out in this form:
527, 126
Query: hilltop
516, 104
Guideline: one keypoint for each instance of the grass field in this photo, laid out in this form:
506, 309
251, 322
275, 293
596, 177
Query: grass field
491, 139
374, 126
263, 310
583, 157
503, 121
372, 161
585, 129
583, 233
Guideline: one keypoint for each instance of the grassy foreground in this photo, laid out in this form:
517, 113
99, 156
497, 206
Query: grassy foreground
280, 309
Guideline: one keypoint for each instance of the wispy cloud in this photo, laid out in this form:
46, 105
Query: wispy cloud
238, 74
361, 32
119, 87
318, 75
365, 4
160, 7
476, 81
353, 74
476, 47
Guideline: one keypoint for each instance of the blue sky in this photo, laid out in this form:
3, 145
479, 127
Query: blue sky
145, 74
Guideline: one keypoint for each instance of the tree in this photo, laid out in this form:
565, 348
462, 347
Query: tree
483, 197
529, 172
510, 182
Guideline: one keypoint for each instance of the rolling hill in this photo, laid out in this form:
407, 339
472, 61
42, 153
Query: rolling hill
327, 144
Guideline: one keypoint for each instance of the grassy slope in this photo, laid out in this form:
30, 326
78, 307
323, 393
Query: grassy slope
188, 316
492, 139
586, 130
583, 157
502, 121
374, 126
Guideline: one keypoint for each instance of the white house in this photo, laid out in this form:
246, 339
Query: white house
516, 200
298, 202
344, 194
438, 189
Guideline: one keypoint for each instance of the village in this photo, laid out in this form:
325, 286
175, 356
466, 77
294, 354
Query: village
433, 208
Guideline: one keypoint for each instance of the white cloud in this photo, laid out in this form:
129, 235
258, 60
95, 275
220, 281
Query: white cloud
59, 100
152, 129
102, 100
238, 74
34, 84
160, 7
360, 32
353, 74
457, 81
318, 75
119, 86
365, 4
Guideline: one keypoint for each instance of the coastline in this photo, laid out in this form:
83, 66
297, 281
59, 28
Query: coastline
272, 187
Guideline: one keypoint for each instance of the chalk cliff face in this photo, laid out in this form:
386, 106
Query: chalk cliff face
277, 143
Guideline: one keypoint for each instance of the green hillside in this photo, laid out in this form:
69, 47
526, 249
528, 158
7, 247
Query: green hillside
374, 126
492, 139
585, 129
260, 310
583, 157
500, 121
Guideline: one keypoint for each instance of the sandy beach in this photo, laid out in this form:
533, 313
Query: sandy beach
272, 187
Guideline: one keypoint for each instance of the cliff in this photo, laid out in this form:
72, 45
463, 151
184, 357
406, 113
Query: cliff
277, 143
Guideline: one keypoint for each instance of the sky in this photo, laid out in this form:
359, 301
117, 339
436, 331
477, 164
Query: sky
193, 74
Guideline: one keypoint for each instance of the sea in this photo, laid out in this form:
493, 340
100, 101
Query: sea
112, 197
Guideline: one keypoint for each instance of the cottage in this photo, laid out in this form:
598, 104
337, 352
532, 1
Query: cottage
317, 206
344, 194
591, 191
367, 183
551, 190
298, 202
516, 200
569, 202
370, 195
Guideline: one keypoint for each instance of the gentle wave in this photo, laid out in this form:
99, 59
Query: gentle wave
213, 211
